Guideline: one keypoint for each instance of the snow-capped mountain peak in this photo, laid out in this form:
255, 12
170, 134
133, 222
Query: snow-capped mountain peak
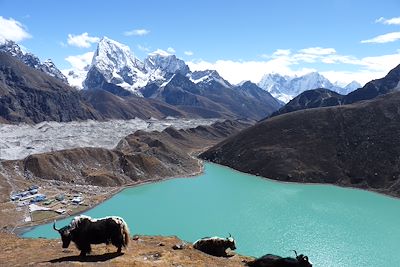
286, 88
49, 67
112, 54
272, 81
166, 63
31, 60
12, 48
312, 80
114, 63
208, 76
352, 86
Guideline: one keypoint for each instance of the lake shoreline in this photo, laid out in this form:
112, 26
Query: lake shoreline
310, 183
19, 231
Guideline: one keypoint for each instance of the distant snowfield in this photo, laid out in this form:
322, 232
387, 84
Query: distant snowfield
19, 141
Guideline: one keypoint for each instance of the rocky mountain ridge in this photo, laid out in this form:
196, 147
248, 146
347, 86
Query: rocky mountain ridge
30, 95
31, 60
212, 97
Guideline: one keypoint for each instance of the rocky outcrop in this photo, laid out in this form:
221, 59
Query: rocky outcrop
354, 145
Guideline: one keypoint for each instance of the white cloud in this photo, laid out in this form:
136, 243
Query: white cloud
79, 62
291, 63
10, 29
160, 52
188, 53
83, 40
282, 52
319, 51
137, 32
369, 68
392, 21
77, 74
384, 38
143, 48
163, 53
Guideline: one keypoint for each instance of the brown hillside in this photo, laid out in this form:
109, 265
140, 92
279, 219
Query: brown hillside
355, 145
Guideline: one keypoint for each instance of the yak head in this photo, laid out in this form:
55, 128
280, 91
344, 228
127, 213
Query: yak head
231, 242
303, 260
65, 233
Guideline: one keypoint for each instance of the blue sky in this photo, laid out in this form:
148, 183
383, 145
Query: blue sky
343, 39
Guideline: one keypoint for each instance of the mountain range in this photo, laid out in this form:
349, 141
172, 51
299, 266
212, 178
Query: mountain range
167, 79
286, 88
120, 86
115, 63
321, 97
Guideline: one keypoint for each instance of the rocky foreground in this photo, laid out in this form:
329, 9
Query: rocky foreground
143, 251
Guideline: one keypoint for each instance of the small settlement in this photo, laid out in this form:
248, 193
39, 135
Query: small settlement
40, 203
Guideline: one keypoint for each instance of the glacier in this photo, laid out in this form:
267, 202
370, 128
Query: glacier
19, 141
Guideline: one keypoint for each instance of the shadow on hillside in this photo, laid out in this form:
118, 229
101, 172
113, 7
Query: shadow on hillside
89, 258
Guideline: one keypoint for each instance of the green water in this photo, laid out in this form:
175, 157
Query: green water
333, 226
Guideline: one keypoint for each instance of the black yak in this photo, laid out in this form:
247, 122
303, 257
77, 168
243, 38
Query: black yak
84, 231
270, 260
215, 246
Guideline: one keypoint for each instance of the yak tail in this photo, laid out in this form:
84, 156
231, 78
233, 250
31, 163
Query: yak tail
125, 233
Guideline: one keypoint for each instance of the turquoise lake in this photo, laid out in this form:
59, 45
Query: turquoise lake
333, 226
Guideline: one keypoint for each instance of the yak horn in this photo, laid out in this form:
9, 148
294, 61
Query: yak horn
54, 226
295, 252
230, 235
